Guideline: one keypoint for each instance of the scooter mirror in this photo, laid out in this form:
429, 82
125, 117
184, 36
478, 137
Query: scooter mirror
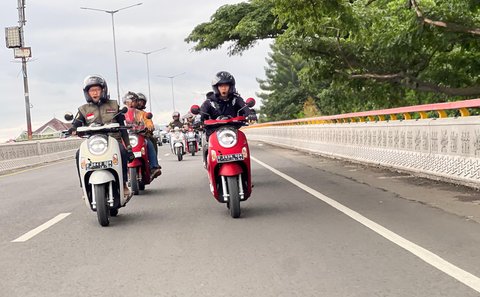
250, 102
149, 115
68, 116
123, 110
195, 109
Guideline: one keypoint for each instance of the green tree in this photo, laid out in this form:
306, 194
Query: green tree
283, 93
359, 54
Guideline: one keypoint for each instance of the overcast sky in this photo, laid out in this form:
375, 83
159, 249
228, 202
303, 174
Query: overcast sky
69, 43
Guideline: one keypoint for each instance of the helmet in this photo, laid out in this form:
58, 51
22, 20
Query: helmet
142, 97
95, 80
130, 96
176, 114
223, 77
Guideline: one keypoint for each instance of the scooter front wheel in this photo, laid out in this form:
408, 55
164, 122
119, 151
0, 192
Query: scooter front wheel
234, 196
101, 203
179, 154
134, 180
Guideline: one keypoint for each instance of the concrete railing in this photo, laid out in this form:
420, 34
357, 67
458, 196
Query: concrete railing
443, 148
29, 153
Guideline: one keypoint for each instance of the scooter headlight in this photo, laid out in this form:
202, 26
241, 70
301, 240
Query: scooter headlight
133, 140
227, 138
97, 145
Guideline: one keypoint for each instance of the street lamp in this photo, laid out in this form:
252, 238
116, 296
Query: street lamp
148, 70
171, 80
112, 12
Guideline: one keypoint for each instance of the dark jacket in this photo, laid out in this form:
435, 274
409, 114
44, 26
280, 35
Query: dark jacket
174, 124
104, 113
213, 107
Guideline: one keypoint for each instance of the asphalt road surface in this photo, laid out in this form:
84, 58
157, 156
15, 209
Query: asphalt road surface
313, 227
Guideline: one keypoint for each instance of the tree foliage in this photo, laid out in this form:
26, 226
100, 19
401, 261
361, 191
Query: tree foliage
353, 55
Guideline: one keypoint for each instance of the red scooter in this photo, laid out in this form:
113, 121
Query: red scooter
139, 169
192, 144
228, 160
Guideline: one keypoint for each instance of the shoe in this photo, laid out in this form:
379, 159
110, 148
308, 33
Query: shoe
156, 172
126, 191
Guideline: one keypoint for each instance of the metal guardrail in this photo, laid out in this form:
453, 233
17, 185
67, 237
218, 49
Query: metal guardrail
446, 148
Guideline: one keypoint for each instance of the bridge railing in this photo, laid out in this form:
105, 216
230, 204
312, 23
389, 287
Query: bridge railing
442, 147
28, 153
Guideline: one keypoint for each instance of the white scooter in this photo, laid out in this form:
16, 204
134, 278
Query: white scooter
177, 143
100, 166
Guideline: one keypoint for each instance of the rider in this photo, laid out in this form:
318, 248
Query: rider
128, 99
141, 105
140, 118
100, 110
176, 121
224, 101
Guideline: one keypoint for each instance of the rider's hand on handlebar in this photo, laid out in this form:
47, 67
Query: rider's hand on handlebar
71, 131
130, 154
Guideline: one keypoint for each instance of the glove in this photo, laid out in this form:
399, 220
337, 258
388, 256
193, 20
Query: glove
71, 131
130, 154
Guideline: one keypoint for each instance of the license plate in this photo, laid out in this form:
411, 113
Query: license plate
137, 154
99, 165
230, 158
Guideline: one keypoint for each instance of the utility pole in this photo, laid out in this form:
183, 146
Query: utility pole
21, 22
14, 38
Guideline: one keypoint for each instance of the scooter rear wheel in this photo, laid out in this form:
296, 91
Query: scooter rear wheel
234, 196
101, 202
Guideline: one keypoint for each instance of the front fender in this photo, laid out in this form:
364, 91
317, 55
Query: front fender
230, 169
101, 177
135, 163
178, 144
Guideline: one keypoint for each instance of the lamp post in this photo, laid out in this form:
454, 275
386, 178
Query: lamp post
171, 80
112, 12
148, 70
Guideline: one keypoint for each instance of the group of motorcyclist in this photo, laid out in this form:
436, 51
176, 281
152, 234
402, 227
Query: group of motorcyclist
222, 102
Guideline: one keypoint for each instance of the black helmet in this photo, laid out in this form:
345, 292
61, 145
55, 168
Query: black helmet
223, 77
130, 96
95, 80
142, 97
176, 114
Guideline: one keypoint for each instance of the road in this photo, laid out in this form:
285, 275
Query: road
322, 227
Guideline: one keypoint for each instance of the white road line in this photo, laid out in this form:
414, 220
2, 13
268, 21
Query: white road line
459, 274
41, 228
394, 177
